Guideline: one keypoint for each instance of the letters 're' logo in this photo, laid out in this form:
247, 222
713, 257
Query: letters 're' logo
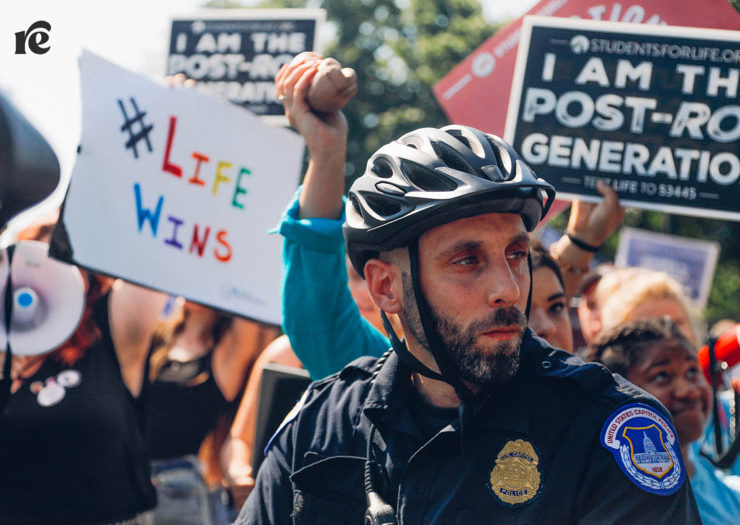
35, 37
579, 44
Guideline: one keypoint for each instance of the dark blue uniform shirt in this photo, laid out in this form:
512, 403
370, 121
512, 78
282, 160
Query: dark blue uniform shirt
532, 454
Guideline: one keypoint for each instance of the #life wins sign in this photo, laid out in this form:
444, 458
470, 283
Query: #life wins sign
176, 191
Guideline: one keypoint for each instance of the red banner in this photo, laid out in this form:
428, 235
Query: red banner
476, 92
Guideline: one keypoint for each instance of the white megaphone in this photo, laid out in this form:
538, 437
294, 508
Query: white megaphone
48, 299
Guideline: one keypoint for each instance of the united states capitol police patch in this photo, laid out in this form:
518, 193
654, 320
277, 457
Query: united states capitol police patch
515, 478
645, 447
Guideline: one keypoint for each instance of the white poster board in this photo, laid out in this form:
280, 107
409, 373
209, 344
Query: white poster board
176, 191
690, 261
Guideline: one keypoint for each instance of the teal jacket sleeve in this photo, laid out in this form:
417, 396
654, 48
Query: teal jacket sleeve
320, 317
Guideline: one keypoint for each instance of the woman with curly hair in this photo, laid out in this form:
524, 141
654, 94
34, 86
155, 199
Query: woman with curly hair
656, 355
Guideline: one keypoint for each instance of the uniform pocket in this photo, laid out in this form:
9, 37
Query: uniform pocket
311, 508
329, 491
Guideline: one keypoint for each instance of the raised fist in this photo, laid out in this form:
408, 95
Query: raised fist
332, 87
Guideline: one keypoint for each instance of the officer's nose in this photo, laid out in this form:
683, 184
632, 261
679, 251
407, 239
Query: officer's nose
502, 286
540, 322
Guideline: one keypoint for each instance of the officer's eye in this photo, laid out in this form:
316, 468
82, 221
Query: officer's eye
517, 255
468, 260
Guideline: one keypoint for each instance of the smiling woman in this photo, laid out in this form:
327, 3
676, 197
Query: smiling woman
655, 355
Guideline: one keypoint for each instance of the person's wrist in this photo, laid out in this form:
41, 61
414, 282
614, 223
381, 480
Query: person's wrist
329, 163
570, 258
329, 149
583, 244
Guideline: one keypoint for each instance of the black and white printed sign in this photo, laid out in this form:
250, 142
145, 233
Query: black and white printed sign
236, 53
652, 110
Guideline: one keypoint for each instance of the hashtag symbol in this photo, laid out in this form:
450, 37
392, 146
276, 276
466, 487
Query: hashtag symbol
143, 129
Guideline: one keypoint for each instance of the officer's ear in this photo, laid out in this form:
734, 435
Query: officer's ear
385, 285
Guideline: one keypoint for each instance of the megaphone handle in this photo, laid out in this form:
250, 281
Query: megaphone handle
7, 381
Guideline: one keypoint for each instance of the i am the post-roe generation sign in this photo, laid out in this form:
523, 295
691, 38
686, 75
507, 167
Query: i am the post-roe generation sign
177, 191
653, 111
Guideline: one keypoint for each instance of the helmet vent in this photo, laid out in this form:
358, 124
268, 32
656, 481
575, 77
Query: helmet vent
382, 168
425, 179
464, 140
385, 187
502, 159
381, 205
452, 158
355, 206
493, 173
469, 140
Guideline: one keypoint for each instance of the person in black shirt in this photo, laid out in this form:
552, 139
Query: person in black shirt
72, 436
199, 365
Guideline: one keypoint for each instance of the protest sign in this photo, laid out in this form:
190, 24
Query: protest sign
476, 92
652, 111
690, 261
236, 53
176, 191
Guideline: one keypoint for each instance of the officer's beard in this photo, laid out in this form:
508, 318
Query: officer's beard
489, 365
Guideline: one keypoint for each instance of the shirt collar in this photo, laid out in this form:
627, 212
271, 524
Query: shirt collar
386, 384
509, 410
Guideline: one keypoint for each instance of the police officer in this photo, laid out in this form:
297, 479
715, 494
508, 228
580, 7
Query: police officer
471, 418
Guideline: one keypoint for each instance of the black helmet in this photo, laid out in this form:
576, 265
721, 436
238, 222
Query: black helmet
431, 177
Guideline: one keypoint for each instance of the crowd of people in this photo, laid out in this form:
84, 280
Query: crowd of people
489, 406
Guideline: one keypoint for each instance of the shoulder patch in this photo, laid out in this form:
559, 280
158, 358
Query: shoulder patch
645, 446
290, 416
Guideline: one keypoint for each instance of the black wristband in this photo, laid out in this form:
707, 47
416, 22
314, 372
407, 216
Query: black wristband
583, 245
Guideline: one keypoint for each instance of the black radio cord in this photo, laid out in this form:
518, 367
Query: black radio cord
378, 512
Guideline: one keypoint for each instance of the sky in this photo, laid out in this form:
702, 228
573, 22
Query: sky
133, 33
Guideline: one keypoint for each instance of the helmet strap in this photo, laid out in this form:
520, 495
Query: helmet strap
437, 346
409, 359
531, 284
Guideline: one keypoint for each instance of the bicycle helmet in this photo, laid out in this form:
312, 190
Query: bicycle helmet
431, 177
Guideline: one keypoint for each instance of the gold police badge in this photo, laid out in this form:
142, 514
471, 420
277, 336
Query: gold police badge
515, 478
